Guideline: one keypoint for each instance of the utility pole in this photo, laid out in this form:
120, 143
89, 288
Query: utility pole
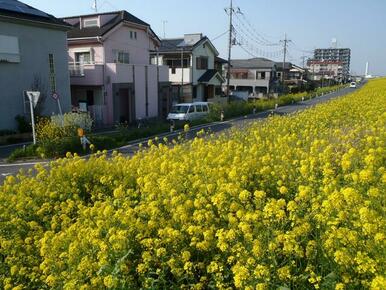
285, 44
182, 73
230, 47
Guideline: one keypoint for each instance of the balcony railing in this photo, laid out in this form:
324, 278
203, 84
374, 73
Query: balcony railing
76, 69
86, 73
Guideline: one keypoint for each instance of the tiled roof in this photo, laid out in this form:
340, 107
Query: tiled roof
279, 65
207, 76
173, 44
176, 44
220, 60
120, 16
257, 62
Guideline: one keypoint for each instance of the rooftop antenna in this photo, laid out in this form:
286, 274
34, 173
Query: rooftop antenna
164, 24
95, 6
334, 43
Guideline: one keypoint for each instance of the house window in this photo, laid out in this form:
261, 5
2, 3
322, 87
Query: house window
173, 70
202, 62
176, 63
52, 77
83, 57
133, 35
122, 57
9, 49
93, 22
262, 75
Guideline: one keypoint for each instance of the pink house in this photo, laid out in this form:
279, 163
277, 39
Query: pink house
110, 70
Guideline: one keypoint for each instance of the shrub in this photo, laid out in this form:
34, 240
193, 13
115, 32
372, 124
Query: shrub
71, 120
28, 151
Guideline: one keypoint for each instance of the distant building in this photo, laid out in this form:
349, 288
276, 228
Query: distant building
111, 74
255, 75
325, 70
195, 70
33, 56
342, 55
294, 75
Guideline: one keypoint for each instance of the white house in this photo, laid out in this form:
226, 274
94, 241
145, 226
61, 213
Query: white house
193, 66
255, 75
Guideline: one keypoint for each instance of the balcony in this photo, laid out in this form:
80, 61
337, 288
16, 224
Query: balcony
86, 74
93, 74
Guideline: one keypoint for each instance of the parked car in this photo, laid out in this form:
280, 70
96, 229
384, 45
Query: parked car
189, 111
353, 85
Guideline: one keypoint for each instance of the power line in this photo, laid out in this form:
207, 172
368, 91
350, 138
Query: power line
243, 39
253, 31
247, 51
221, 35
253, 34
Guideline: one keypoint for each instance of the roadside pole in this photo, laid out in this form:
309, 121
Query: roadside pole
33, 122
55, 96
33, 100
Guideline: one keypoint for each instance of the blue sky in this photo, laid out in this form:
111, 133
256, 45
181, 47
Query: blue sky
357, 24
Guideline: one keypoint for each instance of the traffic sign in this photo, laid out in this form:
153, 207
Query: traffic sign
55, 96
33, 97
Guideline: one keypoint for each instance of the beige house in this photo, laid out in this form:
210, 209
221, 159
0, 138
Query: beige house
193, 68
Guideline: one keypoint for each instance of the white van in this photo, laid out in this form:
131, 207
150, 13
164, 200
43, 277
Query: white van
189, 111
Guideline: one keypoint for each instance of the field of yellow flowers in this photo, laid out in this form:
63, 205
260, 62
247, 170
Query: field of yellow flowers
295, 202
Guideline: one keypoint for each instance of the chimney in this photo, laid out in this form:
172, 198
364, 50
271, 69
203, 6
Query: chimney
192, 38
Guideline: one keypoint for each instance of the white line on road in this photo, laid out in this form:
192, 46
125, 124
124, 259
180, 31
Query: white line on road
15, 145
22, 164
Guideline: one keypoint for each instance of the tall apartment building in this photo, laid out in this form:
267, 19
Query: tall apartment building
342, 55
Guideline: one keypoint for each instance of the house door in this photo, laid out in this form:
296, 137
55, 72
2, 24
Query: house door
209, 92
125, 106
90, 97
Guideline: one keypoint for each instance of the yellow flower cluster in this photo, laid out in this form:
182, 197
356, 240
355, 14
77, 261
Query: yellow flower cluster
296, 202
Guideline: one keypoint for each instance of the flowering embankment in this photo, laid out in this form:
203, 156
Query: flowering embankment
295, 202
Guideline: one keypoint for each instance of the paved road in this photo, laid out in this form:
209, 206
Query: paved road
131, 148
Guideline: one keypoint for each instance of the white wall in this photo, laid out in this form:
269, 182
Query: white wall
177, 77
202, 50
